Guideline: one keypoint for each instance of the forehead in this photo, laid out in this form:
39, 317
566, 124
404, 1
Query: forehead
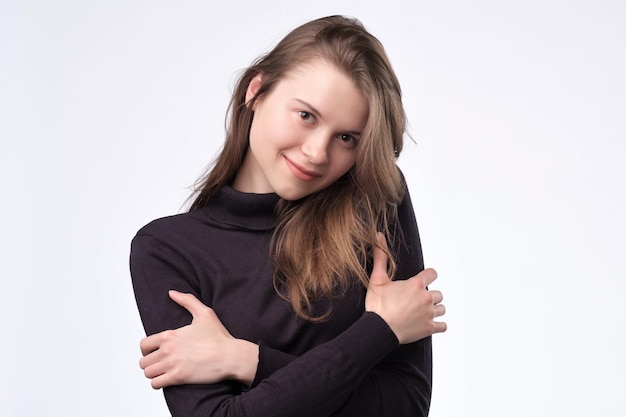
327, 89
317, 69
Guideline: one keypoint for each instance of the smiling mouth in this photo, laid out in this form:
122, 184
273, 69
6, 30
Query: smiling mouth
301, 172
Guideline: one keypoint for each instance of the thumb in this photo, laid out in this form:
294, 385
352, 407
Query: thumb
189, 302
379, 270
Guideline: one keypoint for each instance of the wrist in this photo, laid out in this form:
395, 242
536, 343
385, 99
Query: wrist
245, 361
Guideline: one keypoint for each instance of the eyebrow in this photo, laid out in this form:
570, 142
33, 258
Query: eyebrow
351, 132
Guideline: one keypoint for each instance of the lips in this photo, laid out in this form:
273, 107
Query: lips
300, 172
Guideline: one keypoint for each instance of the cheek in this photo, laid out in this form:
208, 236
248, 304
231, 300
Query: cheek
344, 162
273, 132
260, 139
347, 157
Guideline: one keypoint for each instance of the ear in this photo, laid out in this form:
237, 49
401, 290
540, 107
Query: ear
253, 88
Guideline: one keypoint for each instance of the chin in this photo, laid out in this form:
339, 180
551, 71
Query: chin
292, 195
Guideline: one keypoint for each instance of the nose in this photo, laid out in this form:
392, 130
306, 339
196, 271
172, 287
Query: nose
315, 148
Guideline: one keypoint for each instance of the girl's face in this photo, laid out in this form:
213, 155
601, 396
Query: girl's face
304, 132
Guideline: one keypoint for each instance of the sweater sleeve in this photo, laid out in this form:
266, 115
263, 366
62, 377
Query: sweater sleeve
362, 372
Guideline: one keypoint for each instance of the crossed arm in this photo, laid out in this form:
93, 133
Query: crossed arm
379, 366
204, 352
350, 373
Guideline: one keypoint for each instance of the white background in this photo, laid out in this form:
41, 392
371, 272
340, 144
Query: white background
110, 110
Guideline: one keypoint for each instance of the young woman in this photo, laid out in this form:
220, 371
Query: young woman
288, 299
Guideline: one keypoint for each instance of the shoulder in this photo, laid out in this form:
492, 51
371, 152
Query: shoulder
164, 226
166, 250
178, 231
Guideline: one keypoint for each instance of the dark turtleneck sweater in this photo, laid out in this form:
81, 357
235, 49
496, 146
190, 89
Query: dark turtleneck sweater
348, 365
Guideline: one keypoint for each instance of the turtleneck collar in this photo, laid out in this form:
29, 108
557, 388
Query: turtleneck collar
235, 209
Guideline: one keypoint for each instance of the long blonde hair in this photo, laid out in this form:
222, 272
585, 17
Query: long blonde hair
323, 242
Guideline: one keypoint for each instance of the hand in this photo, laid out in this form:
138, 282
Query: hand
407, 306
203, 352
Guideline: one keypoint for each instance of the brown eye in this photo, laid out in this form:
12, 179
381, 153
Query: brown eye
306, 116
348, 139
